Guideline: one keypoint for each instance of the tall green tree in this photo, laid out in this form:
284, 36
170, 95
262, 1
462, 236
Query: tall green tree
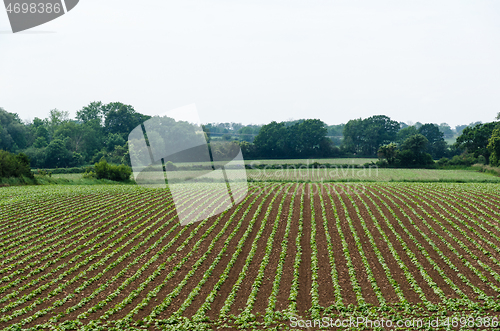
270, 142
413, 152
121, 119
417, 143
388, 152
57, 155
85, 139
307, 139
93, 112
303, 138
354, 136
56, 118
405, 133
437, 145
13, 133
494, 147
365, 136
475, 139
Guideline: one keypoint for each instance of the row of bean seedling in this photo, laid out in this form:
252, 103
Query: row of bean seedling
200, 314
462, 245
443, 256
88, 258
110, 282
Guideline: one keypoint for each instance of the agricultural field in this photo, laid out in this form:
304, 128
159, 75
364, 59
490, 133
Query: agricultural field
116, 257
71, 177
370, 174
341, 174
339, 161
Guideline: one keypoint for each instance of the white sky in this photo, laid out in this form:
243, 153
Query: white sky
258, 61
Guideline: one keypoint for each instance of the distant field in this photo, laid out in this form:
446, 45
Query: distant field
343, 174
370, 174
358, 161
68, 176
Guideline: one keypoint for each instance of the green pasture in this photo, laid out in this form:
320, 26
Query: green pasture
371, 174
341, 174
339, 161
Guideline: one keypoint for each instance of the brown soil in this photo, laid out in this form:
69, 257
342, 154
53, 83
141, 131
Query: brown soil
240, 261
362, 278
391, 262
430, 195
325, 285
195, 279
429, 293
137, 216
287, 274
464, 269
347, 292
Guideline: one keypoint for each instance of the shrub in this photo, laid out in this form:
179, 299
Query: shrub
89, 174
388, 152
104, 170
170, 166
12, 165
443, 161
464, 159
494, 160
407, 158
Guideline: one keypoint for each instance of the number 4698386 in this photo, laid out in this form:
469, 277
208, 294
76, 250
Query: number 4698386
33, 8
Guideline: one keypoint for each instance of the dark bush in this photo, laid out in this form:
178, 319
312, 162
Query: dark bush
12, 165
443, 161
409, 159
170, 166
481, 160
464, 159
104, 170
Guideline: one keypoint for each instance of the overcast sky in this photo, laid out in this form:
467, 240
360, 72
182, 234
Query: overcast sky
258, 61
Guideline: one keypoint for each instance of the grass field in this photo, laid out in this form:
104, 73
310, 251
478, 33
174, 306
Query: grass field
356, 161
370, 174
68, 176
114, 256
338, 174
339, 161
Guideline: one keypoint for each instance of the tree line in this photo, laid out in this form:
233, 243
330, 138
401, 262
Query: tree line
477, 143
101, 130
